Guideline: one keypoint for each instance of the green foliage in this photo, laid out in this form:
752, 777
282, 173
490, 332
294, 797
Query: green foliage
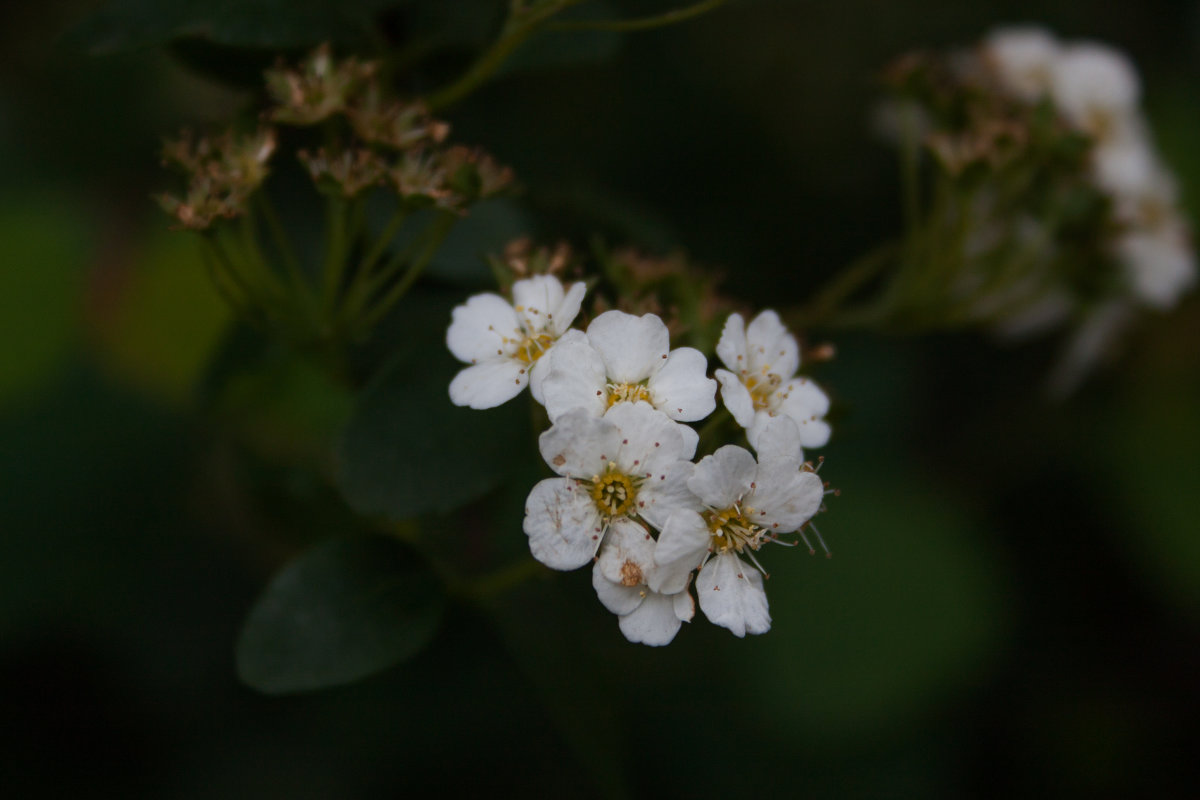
343, 610
130, 24
408, 451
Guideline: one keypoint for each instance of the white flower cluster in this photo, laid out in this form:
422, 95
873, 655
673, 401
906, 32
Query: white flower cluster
1096, 90
628, 497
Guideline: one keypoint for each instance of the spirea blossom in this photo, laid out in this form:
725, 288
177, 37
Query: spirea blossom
760, 382
506, 343
746, 504
624, 358
618, 471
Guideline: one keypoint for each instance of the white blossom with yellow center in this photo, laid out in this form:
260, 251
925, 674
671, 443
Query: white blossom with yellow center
505, 343
624, 358
746, 505
760, 383
617, 472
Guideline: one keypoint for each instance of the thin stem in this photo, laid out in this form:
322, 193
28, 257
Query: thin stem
435, 234
504, 579
518, 26
335, 253
829, 299
283, 245
384, 240
642, 23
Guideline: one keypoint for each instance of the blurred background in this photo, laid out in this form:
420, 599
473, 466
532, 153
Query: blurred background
1013, 600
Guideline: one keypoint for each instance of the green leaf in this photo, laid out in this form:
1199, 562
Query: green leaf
270, 24
343, 610
407, 450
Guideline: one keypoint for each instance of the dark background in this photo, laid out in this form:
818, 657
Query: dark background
1012, 605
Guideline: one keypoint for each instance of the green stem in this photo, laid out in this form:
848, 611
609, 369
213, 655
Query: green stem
504, 579
518, 26
642, 23
335, 253
829, 299
434, 235
284, 246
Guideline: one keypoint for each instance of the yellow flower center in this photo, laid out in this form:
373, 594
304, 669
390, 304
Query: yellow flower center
532, 347
731, 529
762, 387
614, 492
627, 392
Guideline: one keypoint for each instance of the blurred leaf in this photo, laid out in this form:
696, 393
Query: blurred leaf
341, 611
128, 24
165, 320
407, 450
907, 612
43, 249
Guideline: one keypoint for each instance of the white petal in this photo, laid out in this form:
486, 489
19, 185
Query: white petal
682, 546
580, 445
770, 348
682, 388
1093, 86
720, 479
653, 623
489, 383
633, 348
649, 439
562, 524
737, 397
691, 439
536, 298
478, 328
731, 595
1022, 57
685, 606
538, 373
665, 491
617, 598
575, 377
627, 556
731, 348
776, 438
806, 404
568, 310
784, 498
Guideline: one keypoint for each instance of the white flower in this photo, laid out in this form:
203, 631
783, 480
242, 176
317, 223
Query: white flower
1096, 88
1022, 59
506, 343
1159, 261
629, 466
747, 504
763, 358
620, 578
626, 358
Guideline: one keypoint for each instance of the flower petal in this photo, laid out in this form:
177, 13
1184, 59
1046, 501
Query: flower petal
682, 388
580, 445
731, 595
806, 403
562, 524
665, 491
731, 348
685, 606
479, 327
652, 623
568, 309
575, 377
616, 598
536, 298
489, 383
770, 348
682, 546
633, 348
649, 439
627, 555
721, 479
776, 438
785, 498
737, 397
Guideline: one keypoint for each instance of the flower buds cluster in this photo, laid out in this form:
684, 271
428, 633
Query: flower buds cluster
628, 497
1051, 206
222, 172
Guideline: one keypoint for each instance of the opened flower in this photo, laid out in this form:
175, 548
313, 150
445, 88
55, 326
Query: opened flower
506, 343
760, 383
624, 358
618, 471
620, 577
746, 505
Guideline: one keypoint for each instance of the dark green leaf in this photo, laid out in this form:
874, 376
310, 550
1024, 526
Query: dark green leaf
407, 450
128, 24
343, 610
